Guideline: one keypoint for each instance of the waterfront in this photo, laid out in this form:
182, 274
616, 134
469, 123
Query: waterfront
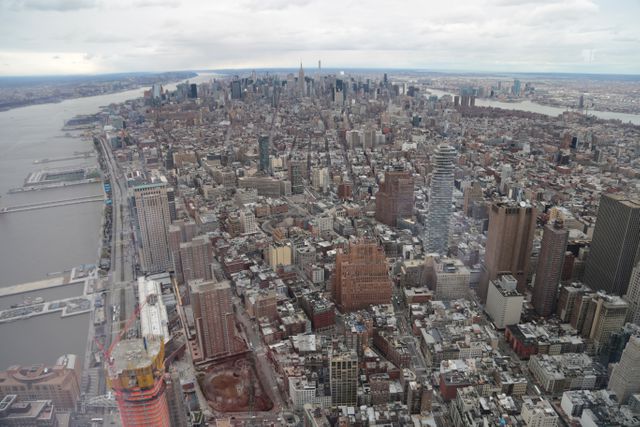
526, 105
35, 243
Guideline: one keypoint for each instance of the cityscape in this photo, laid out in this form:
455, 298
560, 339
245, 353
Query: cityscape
318, 243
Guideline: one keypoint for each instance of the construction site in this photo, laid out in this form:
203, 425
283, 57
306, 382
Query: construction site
234, 387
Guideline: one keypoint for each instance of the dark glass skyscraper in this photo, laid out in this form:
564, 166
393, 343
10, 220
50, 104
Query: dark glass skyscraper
263, 148
614, 245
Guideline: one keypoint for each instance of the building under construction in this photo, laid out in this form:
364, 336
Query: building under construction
361, 277
136, 375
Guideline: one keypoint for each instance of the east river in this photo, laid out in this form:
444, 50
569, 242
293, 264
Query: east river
526, 105
38, 242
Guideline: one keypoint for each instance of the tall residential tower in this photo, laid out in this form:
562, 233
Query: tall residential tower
549, 270
440, 199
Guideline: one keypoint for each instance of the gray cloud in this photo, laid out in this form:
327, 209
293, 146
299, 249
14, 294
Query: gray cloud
498, 35
53, 5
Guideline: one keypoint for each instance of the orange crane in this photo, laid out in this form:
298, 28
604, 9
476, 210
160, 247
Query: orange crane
106, 353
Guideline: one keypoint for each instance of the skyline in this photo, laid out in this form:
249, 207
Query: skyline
100, 37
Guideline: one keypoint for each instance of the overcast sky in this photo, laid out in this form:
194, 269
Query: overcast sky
102, 36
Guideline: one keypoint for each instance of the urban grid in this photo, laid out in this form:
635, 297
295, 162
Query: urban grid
350, 248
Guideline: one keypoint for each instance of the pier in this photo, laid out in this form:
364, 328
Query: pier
82, 155
53, 185
53, 203
68, 307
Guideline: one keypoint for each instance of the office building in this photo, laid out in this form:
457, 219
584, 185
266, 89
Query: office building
263, 149
538, 412
598, 315
214, 318
633, 295
549, 269
361, 277
296, 176
472, 194
16, 412
504, 302
175, 400
152, 212
440, 200
616, 238
137, 379
448, 278
343, 377
196, 258
509, 243
59, 383
395, 198
278, 254
625, 377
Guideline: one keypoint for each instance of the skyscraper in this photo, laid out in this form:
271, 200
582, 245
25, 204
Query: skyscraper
137, 378
343, 377
633, 294
296, 176
395, 198
263, 147
196, 258
549, 269
152, 209
440, 199
616, 238
625, 377
509, 242
361, 277
214, 318
301, 82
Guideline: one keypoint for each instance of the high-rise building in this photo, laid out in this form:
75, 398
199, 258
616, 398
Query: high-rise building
472, 194
343, 377
440, 200
549, 269
263, 149
395, 198
598, 315
236, 89
152, 209
625, 377
214, 318
616, 238
361, 277
296, 176
301, 82
633, 294
509, 243
137, 379
196, 258
175, 400
504, 302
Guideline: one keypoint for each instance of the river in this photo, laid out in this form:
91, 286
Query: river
526, 105
35, 243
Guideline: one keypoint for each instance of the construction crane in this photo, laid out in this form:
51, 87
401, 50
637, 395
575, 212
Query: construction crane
106, 353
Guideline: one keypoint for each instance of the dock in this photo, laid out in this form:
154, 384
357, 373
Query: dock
75, 276
68, 307
53, 203
83, 155
53, 185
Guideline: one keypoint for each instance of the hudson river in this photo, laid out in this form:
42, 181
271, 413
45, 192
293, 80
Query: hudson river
35, 243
